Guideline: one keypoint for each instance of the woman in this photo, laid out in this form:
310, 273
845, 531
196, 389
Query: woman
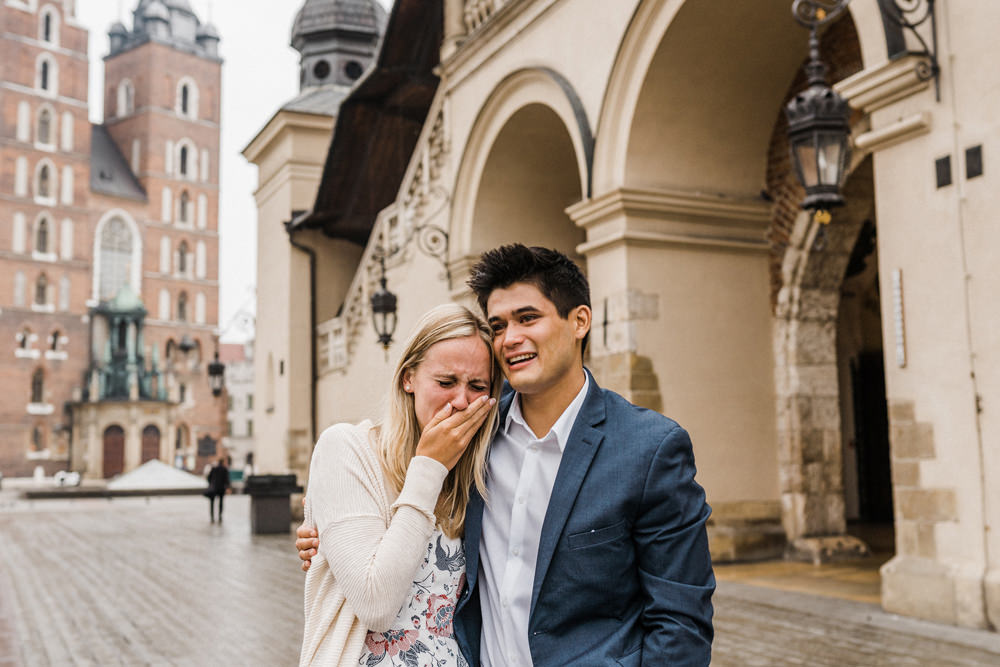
388, 501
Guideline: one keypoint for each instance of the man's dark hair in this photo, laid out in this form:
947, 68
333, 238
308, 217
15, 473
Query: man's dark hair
555, 275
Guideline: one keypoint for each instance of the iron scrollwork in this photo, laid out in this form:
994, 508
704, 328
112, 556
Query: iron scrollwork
814, 14
910, 15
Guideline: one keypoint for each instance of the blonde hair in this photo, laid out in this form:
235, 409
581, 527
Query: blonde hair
399, 432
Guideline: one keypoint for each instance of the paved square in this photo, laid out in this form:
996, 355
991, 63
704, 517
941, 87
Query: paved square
152, 582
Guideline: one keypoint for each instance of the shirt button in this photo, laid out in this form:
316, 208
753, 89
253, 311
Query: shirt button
516, 551
533, 448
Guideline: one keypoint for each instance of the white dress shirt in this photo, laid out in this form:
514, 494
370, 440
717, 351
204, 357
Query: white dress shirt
520, 474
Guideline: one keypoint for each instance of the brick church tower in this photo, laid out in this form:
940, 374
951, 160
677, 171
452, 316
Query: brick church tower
124, 212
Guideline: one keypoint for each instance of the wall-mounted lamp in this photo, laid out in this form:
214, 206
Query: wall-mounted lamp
433, 242
216, 375
818, 121
384, 309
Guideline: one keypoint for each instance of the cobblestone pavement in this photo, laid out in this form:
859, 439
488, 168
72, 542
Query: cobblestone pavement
137, 582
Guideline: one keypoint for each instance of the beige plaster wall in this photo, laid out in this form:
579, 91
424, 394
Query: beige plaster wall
709, 339
357, 392
289, 152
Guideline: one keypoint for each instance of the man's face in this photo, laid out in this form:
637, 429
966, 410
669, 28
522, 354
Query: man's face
536, 348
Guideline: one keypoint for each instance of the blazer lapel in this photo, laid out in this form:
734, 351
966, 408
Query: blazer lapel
581, 447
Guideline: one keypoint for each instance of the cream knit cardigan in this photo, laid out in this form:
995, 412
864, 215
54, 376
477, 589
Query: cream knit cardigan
371, 545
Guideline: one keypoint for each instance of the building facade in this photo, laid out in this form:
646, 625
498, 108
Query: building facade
829, 386
239, 382
126, 208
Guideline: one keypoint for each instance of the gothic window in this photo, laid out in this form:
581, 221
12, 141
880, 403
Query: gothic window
42, 290
184, 161
182, 258
37, 439
45, 127
182, 302
24, 339
54, 341
187, 98
38, 386
171, 350
44, 187
115, 258
44, 76
49, 26
184, 214
42, 236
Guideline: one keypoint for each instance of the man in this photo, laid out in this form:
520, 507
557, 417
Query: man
592, 548
218, 486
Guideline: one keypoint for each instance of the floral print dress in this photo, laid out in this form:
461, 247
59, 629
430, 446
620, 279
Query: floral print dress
422, 634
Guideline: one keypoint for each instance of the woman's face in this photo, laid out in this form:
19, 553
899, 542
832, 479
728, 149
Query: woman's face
455, 371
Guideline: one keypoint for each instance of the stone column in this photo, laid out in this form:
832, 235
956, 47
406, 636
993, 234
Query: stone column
682, 325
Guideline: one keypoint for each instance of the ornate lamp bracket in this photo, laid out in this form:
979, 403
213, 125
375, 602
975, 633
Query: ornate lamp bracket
911, 15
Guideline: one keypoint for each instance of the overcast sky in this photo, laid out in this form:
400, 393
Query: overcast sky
259, 75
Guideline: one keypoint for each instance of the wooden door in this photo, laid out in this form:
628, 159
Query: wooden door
114, 451
150, 443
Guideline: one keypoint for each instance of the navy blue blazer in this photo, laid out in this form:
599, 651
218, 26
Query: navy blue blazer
623, 575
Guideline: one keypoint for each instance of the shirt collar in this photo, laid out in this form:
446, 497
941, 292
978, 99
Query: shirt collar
563, 425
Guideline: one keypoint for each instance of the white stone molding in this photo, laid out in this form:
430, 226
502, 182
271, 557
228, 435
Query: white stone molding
125, 103
166, 204
66, 129
41, 408
663, 217
894, 133
881, 85
66, 239
23, 121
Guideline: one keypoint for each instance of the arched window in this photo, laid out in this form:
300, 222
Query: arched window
171, 350
44, 76
182, 258
184, 161
42, 236
37, 439
38, 386
182, 305
44, 133
116, 257
126, 97
42, 290
44, 187
187, 98
184, 215
48, 29
54, 340
24, 339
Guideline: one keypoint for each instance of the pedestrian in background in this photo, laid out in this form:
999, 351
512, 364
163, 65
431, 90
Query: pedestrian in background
218, 486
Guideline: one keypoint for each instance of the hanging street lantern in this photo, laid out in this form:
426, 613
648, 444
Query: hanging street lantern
818, 121
384, 310
216, 375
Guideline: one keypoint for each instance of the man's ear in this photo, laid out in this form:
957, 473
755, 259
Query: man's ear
581, 317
